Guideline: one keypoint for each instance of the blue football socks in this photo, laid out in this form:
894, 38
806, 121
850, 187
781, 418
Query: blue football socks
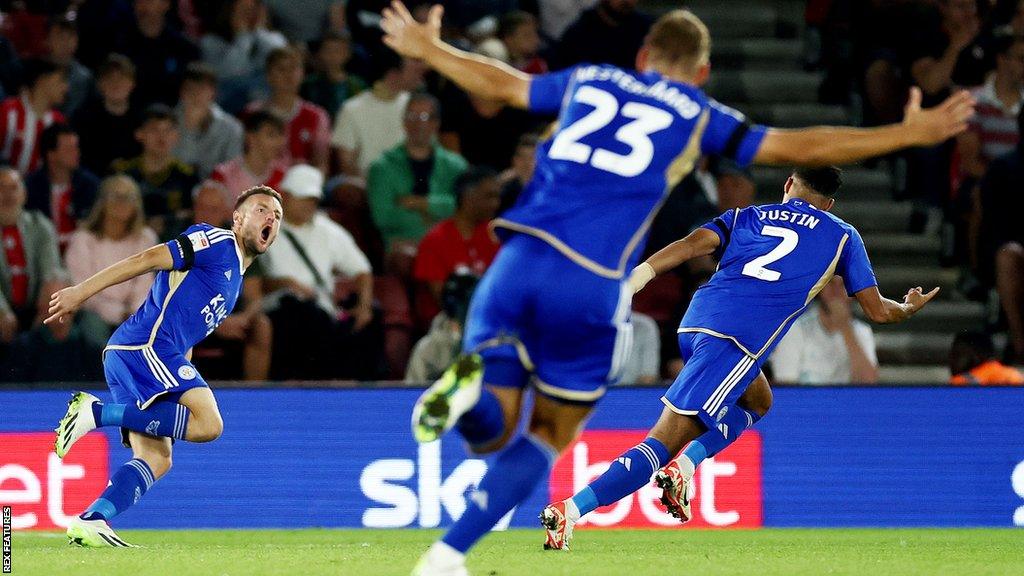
161, 419
127, 486
627, 474
730, 427
511, 478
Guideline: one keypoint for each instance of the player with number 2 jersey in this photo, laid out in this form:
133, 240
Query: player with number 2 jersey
773, 261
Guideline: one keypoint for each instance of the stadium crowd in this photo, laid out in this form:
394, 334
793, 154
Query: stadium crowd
125, 121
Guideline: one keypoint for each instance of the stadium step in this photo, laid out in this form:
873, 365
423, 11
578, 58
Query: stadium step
913, 348
765, 86
795, 115
858, 184
913, 375
898, 248
895, 280
940, 316
759, 54
870, 216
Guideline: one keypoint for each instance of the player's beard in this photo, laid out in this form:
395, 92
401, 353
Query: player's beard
252, 246
251, 243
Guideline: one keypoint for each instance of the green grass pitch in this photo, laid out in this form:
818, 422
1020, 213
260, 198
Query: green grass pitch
782, 552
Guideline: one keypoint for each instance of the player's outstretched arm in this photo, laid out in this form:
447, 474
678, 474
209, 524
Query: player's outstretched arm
700, 242
885, 311
825, 145
485, 77
67, 301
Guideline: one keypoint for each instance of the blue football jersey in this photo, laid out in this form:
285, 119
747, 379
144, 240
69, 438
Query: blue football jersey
622, 141
187, 303
774, 259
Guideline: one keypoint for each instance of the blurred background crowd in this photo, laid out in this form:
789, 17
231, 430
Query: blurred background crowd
125, 121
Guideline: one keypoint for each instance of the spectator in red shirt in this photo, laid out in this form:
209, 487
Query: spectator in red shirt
261, 163
309, 126
61, 189
23, 118
462, 242
30, 268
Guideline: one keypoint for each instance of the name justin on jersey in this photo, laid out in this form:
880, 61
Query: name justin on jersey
794, 217
214, 313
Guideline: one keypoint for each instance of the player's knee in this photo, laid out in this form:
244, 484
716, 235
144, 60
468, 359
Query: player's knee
759, 404
208, 429
555, 434
494, 446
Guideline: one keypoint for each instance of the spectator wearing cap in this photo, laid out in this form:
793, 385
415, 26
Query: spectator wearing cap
265, 141
317, 338
61, 189
972, 360
106, 124
370, 123
308, 126
236, 47
23, 118
208, 134
62, 43
462, 242
166, 181
436, 351
411, 186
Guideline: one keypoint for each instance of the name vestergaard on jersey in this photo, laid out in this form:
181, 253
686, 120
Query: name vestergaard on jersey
794, 217
670, 95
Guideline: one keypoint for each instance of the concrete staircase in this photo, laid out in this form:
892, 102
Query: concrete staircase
756, 50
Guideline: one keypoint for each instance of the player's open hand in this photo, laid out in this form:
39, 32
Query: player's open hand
935, 125
916, 298
64, 303
403, 34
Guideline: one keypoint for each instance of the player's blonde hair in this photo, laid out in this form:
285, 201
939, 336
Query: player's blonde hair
679, 38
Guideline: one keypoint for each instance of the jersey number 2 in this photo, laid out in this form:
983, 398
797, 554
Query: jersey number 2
757, 267
636, 134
